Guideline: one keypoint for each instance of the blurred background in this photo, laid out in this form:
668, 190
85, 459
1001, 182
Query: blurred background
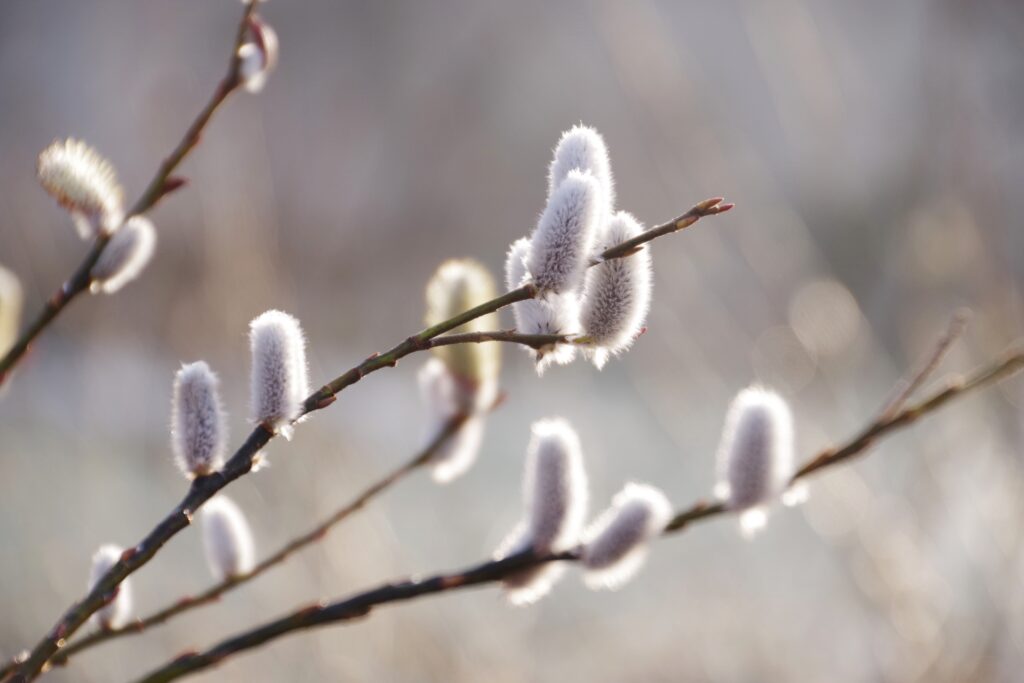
875, 151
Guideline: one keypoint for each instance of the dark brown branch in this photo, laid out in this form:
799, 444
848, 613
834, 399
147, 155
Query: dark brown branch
360, 605
161, 184
213, 593
708, 207
204, 488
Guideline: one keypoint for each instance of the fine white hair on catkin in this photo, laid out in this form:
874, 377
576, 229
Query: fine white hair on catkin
117, 612
615, 545
125, 256
549, 313
555, 499
280, 380
756, 459
582, 148
84, 183
198, 430
227, 539
563, 241
554, 486
616, 293
440, 391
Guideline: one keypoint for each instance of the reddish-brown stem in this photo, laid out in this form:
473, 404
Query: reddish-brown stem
360, 605
162, 184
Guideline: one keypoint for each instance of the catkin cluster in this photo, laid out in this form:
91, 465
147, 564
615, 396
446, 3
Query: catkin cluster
598, 305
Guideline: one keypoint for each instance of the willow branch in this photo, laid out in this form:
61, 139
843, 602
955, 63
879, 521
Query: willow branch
361, 604
241, 463
317, 533
161, 185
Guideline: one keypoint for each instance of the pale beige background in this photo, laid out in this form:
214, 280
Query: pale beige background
876, 154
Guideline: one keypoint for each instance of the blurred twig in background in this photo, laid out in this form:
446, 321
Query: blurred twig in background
362, 604
162, 184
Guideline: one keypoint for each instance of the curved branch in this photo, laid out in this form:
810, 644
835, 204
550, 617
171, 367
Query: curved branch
204, 488
161, 185
361, 604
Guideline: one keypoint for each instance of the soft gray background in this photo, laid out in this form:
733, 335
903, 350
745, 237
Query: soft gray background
876, 154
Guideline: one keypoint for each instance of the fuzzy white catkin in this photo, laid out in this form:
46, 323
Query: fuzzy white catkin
125, 256
555, 498
563, 241
84, 183
549, 313
616, 293
440, 393
615, 545
554, 486
280, 380
117, 612
227, 539
258, 57
582, 148
11, 298
198, 430
457, 286
755, 456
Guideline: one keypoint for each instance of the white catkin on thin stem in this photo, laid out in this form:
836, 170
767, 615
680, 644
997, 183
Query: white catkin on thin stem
616, 294
84, 183
457, 286
280, 379
258, 57
562, 243
615, 545
756, 459
582, 148
555, 499
125, 256
117, 611
227, 539
198, 429
549, 313
440, 393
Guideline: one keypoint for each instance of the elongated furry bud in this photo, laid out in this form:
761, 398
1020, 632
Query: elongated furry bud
198, 431
457, 286
564, 238
258, 57
549, 313
118, 610
280, 380
615, 545
125, 256
11, 298
555, 498
616, 293
582, 148
755, 456
440, 392
227, 539
84, 183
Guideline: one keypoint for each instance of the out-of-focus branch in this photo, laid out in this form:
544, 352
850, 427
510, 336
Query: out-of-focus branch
162, 184
213, 593
205, 487
361, 604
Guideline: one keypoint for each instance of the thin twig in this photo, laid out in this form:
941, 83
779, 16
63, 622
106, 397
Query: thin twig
161, 185
361, 604
241, 463
908, 385
317, 533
